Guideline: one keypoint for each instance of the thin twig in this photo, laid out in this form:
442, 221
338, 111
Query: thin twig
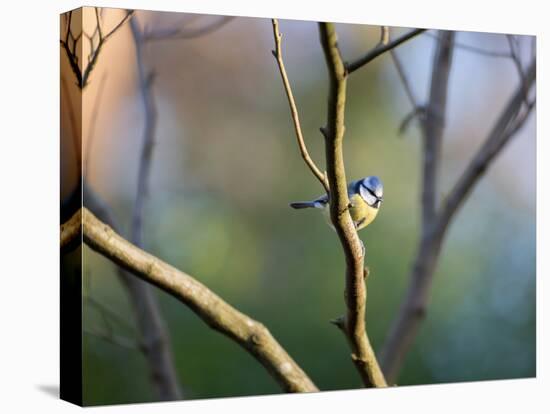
353, 324
515, 56
102, 40
418, 111
381, 49
277, 53
72, 55
248, 333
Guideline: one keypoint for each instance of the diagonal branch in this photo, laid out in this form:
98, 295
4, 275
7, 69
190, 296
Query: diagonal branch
380, 49
356, 291
71, 229
214, 311
277, 53
508, 123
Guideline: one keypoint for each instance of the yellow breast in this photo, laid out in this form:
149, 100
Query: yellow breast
361, 213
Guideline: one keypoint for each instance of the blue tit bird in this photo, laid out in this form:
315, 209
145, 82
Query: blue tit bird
365, 197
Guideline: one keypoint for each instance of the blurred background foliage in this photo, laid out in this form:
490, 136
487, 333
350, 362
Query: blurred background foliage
225, 167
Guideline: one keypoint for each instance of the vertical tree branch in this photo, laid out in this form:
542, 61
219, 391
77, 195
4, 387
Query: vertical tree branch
145, 83
413, 308
436, 222
434, 126
155, 336
356, 292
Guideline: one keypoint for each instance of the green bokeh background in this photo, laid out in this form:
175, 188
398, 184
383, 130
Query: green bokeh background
225, 168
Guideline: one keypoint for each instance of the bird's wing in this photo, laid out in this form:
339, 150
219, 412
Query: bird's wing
321, 201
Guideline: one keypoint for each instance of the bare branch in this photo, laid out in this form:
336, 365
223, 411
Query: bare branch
102, 40
413, 309
277, 53
73, 61
508, 123
129, 14
185, 33
434, 125
515, 56
381, 49
145, 82
356, 291
158, 352
71, 229
98, 25
72, 55
250, 334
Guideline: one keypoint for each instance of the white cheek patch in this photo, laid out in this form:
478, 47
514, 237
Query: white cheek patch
367, 196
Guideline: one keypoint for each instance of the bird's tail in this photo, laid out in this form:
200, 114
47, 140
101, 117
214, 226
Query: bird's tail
303, 204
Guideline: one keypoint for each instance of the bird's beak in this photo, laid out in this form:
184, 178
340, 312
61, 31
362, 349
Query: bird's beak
381, 199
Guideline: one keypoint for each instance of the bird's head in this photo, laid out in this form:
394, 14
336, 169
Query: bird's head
372, 191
